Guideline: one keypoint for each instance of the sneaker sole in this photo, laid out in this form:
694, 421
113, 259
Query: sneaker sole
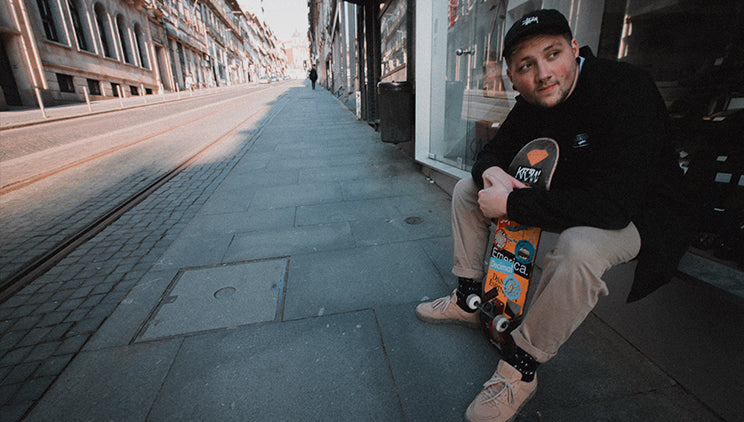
453, 321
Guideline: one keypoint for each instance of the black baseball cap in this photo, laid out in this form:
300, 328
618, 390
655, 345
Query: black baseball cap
543, 21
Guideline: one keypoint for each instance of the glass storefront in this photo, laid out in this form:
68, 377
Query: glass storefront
467, 42
694, 49
393, 40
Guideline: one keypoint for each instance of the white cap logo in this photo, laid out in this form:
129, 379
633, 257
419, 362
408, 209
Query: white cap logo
529, 20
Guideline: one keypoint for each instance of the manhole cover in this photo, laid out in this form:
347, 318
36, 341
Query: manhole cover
224, 296
414, 220
224, 292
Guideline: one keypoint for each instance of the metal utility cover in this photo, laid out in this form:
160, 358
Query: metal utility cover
219, 297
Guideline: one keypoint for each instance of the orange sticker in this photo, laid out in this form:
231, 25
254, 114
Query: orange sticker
537, 155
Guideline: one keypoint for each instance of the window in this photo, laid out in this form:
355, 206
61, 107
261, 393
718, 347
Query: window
104, 30
115, 89
94, 87
47, 19
77, 26
141, 46
124, 39
148, 91
133, 90
65, 83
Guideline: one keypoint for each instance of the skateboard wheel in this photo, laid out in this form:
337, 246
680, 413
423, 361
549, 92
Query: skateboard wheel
500, 323
473, 301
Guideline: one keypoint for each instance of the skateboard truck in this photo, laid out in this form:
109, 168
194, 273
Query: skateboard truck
498, 323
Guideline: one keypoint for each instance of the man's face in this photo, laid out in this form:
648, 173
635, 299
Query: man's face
544, 70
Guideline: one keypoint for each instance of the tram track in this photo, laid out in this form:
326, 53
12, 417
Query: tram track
42, 263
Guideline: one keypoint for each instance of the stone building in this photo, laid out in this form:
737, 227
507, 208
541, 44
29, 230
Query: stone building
59, 51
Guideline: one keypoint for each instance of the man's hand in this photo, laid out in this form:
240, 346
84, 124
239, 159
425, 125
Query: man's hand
494, 175
497, 185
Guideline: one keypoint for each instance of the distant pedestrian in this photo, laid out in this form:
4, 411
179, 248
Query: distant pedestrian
313, 76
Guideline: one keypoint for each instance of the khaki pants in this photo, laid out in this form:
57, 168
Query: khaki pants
570, 284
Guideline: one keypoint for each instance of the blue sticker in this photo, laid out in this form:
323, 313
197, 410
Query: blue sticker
524, 252
512, 288
502, 266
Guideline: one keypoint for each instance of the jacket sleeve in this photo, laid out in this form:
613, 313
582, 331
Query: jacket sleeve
610, 189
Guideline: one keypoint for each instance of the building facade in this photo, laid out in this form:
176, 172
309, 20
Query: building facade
450, 52
298, 55
62, 51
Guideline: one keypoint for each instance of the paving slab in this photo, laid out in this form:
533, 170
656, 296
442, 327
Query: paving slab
293, 195
691, 330
389, 229
229, 201
331, 369
439, 251
121, 328
664, 405
206, 224
290, 241
358, 278
224, 296
438, 369
245, 181
336, 212
110, 384
383, 187
185, 251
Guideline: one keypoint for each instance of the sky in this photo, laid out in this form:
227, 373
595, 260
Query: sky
284, 17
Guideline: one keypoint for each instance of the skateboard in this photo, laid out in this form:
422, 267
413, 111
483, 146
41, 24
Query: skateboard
514, 248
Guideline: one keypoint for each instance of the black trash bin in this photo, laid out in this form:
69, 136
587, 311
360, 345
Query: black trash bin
395, 106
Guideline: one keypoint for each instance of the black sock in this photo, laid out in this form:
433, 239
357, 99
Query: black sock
519, 359
466, 287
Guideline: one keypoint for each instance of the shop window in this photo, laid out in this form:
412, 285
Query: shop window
104, 30
47, 19
65, 83
393, 34
94, 87
81, 31
115, 89
133, 90
124, 39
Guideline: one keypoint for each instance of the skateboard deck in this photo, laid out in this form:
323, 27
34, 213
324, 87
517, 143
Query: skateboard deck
514, 248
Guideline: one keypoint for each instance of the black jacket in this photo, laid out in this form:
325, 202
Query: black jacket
617, 165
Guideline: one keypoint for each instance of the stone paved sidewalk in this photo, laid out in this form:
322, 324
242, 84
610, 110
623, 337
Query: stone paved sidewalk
45, 325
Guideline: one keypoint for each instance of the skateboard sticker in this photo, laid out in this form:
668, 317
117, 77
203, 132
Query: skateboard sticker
502, 265
499, 239
524, 252
528, 175
512, 288
537, 155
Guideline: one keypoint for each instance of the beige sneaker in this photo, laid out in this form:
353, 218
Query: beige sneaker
502, 396
446, 311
